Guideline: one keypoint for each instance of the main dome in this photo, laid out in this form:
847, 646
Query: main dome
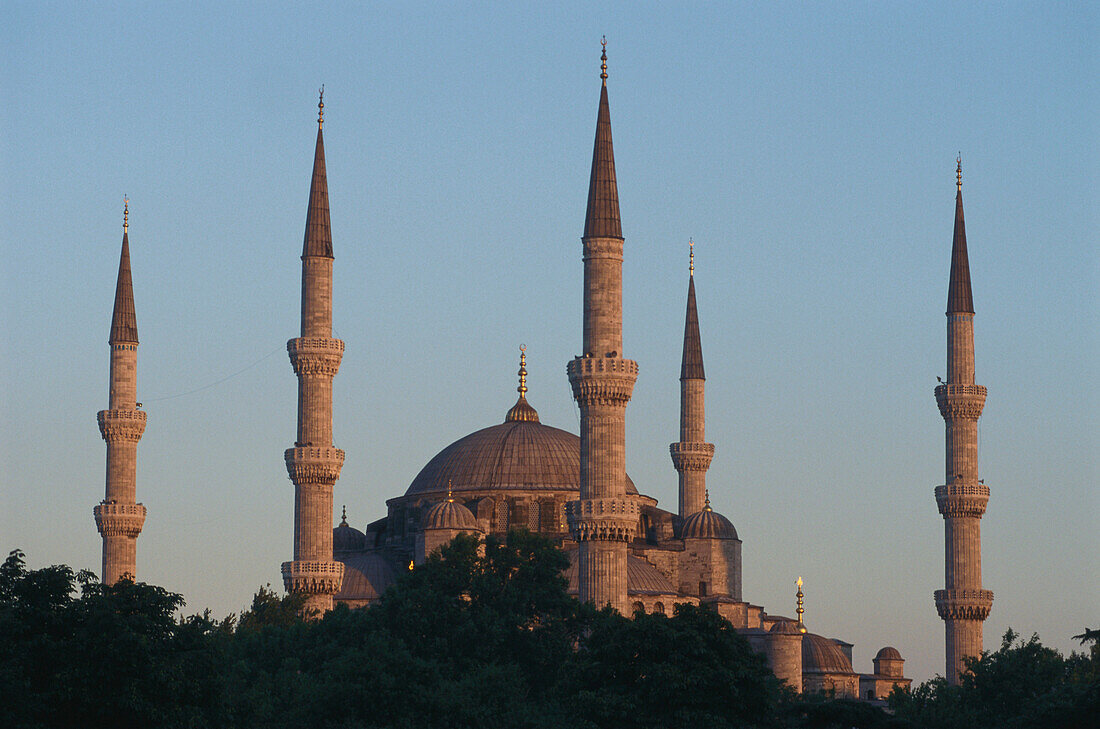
520, 454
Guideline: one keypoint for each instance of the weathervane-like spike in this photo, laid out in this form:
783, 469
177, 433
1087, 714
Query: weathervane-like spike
321, 107
603, 60
344, 515
691, 257
706, 506
125, 214
959, 171
522, 389
450, 493
800, 610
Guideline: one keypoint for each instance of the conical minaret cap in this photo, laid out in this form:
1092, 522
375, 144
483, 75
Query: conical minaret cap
959, 296
602, 218
691, 368
318, 239
123, 319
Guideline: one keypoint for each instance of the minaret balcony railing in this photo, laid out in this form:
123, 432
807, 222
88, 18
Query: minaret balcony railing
960, 401
602, 380
313, 465
315, 355
311, 577
962, 499
113, 519
964, 604
688, 456
603, 520
121, 425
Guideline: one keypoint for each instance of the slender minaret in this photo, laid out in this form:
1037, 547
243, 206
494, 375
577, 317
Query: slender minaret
603, 521
962, 499
313, 463
118, 517
692, 455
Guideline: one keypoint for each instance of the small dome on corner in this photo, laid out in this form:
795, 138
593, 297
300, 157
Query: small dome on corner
888, 653
450, 515
708, 524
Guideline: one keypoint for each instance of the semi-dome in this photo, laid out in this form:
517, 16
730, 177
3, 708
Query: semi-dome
520, 454
708, 524
823, 655
888, 653
449, 515
642, 578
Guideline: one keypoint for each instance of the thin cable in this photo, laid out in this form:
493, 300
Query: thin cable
218, 382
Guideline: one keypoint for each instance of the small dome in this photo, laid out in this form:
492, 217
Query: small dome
450, 515
823, 655
786, 627
366, 577
708, 524
888, 654
346, 538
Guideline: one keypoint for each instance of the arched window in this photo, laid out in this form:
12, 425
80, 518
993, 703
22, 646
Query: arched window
659, 608
639, 607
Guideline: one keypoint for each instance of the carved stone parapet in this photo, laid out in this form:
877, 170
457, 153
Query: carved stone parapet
603, 248
315, 355
963, 402
603, 520
602, 380
964, 604
313, 465
691, 456
119, 519
961, 499
323, 578
121, 425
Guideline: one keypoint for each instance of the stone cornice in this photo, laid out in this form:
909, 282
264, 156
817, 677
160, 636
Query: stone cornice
314, 578
114, 519
315, 355
121, 425
602, 380
961, 604
603, 520
960, 402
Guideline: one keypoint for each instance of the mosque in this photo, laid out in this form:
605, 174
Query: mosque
624, 549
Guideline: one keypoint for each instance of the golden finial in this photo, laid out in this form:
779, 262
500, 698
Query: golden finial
800, 610
603, 60
125, 214
691, 257
411, 565
344, 515
959, 171
321, 107
522, 389
706, 506
450, 493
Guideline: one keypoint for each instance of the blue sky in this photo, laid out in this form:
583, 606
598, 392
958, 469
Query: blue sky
809, 149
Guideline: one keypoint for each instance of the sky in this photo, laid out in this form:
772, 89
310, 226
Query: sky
807, 148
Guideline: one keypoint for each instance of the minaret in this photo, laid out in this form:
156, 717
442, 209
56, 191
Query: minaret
962, 499
692, 456
313, 463
118, 517
603, 521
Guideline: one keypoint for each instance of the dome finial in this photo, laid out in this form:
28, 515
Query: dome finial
321, 107
522, 389
800, 611
344, 515
959, 172
691, 256
450, 493
603, 60
125, 214
706, 496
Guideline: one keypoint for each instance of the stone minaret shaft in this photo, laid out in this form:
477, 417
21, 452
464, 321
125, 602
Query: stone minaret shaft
963, 605
603, 521
119, 517
692, 455
313, 463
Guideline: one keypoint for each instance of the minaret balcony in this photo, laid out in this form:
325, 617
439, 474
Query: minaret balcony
314, 578
691, 456
313, 465
960, 401
602, 380
114, 519
962, 604
315, 355
602, 520
962, 499
121, 425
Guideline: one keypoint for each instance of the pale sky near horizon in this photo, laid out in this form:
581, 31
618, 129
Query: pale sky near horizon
808, 148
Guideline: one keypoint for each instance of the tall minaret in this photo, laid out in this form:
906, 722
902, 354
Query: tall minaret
603, 521
692, 456
118, 517
962, 499
313, 463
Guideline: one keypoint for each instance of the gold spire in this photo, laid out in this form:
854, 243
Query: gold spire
800, 610
125, 214
321, 107
603, 60
450, 493
959, 171
691, 257
706, 506
522, 389
344, 515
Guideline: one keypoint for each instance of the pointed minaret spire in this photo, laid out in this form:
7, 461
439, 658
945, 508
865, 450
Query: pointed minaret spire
318, 240
602, 218
963, 604
959, 297
119, 517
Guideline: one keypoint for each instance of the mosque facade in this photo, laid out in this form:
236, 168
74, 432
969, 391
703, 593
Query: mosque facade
624, 550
